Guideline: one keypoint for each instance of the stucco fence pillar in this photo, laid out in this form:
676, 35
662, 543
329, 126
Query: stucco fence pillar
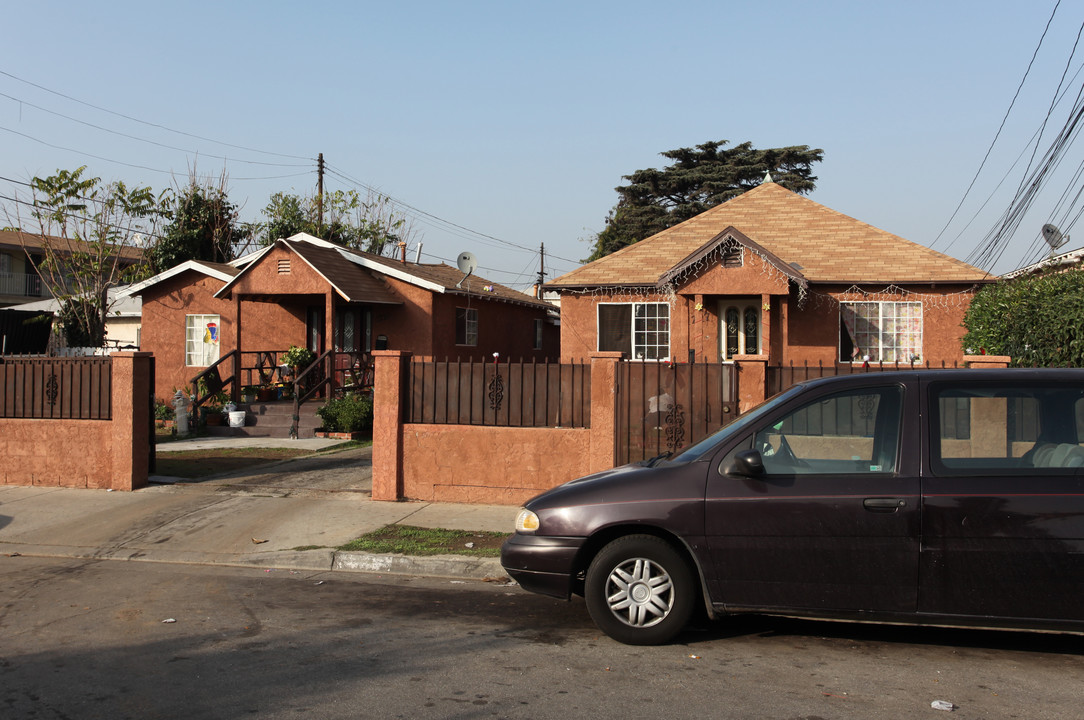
106, 454
987, 361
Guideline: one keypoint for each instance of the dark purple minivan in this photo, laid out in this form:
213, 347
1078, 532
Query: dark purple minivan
951, 497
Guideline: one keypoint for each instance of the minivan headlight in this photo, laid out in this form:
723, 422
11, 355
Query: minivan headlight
526, 521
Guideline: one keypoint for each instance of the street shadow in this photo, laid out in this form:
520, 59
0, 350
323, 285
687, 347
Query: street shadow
751, 626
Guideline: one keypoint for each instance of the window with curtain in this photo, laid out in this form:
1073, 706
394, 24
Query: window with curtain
640, 330
201, 340
884, 331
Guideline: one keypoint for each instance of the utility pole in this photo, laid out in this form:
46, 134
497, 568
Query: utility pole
320, 194
541, 269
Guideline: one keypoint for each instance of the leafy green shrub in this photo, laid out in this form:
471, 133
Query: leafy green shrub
350, 413
1038, 320
162, 411
298, 357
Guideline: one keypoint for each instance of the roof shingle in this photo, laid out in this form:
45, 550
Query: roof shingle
830, 247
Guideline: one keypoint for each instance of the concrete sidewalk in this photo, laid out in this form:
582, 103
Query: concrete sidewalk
291, 514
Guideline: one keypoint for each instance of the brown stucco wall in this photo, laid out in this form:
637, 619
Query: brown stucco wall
265, 325
478, 464
470, 464
107, 454
503, 328
792, 331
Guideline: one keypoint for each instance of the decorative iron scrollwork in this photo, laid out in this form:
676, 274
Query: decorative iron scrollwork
52, 389
675, 428
496, 391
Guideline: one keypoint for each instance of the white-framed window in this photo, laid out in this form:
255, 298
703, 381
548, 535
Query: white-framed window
881, 331
640, 330
466, 326
201, 340
739, 327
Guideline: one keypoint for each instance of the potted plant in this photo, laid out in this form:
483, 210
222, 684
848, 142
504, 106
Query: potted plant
213, 409
298, 358
248, 393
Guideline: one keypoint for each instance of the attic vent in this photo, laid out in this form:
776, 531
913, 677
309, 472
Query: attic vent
284, 266
732, 256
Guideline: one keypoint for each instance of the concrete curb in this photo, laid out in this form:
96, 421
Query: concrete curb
317, 560
453, 566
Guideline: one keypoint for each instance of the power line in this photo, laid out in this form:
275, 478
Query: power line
150, 124
146, 140
1000, 127
444, 224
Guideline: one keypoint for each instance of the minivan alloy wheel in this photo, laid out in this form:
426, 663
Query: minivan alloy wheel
640, 590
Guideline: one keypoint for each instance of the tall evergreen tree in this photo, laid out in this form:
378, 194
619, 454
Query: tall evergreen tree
699, 178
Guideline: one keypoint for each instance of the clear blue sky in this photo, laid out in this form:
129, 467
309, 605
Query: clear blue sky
517, 120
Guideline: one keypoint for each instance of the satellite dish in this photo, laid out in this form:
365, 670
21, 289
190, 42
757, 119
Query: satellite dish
1053, 237
467, 263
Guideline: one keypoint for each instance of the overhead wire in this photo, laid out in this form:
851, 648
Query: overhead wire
151, 124
429, 219
442, 223
149, 141
1002, 126
1035, 177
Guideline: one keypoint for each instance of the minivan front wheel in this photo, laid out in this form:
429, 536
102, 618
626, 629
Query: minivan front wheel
639, 590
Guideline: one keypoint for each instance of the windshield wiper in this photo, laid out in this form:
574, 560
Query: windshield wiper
657, 459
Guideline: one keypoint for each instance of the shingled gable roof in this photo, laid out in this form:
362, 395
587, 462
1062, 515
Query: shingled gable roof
219, 271
792, 232
354, 284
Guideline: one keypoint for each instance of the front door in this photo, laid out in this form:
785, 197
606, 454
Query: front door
314, 329
834, 521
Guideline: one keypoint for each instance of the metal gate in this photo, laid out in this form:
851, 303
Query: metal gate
664, 407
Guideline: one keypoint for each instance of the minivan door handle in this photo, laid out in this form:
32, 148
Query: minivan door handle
883, 504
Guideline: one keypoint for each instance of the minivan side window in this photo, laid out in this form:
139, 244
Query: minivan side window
853, 432
1010, 430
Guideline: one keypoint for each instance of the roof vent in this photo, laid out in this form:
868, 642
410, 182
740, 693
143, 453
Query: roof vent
284, 266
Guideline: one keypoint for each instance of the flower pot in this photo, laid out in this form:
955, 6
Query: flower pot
214, 418
267, 394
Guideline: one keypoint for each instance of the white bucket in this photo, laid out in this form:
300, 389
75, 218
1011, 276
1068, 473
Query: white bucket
237, 418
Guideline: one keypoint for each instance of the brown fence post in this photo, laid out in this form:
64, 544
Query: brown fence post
603, 410
752, 380
131, 388
390, 395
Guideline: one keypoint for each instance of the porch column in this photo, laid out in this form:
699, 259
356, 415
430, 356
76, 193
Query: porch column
235, 390
389, 400
603, 447
329, 334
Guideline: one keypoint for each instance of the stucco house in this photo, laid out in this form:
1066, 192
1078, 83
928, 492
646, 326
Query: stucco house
308, 292
770, 278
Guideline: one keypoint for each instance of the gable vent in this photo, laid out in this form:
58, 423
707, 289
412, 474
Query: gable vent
732, 256
284, 266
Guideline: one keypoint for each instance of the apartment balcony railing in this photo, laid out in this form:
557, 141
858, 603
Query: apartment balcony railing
21, 284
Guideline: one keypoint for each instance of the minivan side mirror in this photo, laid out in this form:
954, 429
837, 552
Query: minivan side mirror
746, 463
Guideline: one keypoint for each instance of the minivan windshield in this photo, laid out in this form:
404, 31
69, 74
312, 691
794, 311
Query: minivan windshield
705, 446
